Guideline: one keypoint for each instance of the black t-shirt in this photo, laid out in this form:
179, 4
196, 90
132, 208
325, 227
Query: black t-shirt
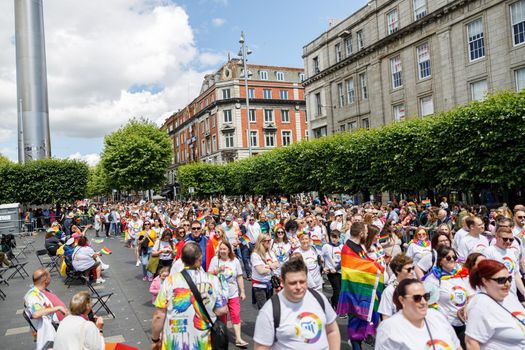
357, 248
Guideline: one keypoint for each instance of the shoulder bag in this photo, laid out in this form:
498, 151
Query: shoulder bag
218, 330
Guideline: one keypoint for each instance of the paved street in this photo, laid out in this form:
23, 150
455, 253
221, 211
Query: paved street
131, 302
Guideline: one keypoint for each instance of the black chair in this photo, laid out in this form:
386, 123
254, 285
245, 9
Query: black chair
13, 270
71, 273
47, 261
99, 298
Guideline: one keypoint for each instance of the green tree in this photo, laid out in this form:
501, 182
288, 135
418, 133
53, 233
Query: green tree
97, 182
4, 160
136, 156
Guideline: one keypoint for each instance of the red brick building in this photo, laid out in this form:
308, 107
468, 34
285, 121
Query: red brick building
214, 126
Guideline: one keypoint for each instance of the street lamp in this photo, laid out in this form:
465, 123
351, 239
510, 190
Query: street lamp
244, 52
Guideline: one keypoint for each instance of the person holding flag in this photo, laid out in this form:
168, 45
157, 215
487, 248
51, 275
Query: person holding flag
362, 282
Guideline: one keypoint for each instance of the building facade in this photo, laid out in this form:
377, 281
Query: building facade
213, 128
398, 59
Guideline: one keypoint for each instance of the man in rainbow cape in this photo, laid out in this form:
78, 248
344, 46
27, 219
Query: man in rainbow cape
362, 282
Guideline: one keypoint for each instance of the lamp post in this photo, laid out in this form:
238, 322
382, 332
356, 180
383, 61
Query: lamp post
244, 52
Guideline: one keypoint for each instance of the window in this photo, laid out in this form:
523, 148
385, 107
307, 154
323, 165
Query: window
364, 86
350, 91
342, 128
392, 20
395, 67
251, 93
213, 121
268, 115
399, 112
254, 142
315, 61
478, 90
341, 94
286, 137
338, 52
225, 93
203, 147
420, 9
252, 116
269, 139
423, 60
348, 45
285, 116
214, 143
267, 93
284, 94
301, 77
476, 41
360, 40
517, 14
520, 79
263, 75
426, 104
318, 106
352, 126
319, 132
227, 114
279, 76
228, 140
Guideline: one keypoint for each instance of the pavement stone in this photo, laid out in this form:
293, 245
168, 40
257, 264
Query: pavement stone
131, 302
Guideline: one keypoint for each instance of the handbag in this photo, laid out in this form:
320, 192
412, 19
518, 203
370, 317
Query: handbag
276, 282
218, 330
153, 264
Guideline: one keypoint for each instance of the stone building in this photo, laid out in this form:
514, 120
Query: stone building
398, 59
213, 128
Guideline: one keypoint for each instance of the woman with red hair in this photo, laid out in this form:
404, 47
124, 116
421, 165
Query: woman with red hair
496, 319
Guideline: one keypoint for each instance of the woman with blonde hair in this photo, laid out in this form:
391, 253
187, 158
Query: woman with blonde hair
264, 262
75, 331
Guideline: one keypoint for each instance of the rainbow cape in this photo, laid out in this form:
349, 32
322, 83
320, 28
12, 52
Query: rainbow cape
362, 283
105, 251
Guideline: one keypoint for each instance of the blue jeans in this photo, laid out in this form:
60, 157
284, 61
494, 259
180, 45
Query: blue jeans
144, 258
245, 253
114, 229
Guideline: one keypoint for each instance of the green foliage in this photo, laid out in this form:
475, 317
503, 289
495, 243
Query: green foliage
97, 182
468, 148
136, 156
4, 160
46, 181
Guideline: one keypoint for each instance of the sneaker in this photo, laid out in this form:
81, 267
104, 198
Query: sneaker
150, 279
100, 280
105, 266
138, 263
144, 278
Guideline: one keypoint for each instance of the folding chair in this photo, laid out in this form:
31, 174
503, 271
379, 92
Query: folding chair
18, 269
47, 261
99, 298
71, 273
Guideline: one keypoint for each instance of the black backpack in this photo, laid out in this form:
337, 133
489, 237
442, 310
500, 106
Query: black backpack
276, 306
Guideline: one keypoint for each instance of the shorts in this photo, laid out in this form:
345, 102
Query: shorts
234, 309
133, 242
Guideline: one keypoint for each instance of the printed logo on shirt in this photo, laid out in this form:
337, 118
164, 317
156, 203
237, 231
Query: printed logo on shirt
458, 296
520, 316
337, 257
479, 248
308, 327
438, 344
509, 264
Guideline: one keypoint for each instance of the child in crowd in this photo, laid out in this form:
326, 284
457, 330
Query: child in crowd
154, 288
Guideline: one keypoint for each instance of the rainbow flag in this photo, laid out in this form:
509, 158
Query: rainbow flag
284, 200
317, 243
105, 251
244, 239
202, 219
362, 282
383, 238
171, 224
426, 202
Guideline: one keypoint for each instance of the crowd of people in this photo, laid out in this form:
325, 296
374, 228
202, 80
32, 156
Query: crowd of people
405, 275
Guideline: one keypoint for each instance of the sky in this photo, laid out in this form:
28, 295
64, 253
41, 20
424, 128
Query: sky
109, 61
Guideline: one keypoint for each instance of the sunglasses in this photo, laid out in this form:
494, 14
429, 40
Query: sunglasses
309, 221
267, 240
186, 225
418, 297
195, 228
502, 280
507, 239
280, 231
147, 224
520, 217
451, 258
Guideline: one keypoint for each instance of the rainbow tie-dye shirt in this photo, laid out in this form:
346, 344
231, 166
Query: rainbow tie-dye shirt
186, 327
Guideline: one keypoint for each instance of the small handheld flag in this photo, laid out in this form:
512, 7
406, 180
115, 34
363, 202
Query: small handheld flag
105, 251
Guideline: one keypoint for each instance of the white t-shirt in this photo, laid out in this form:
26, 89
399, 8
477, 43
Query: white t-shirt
227, 271
83, 258
282, 253
386, 304
399, 334
256, 260
470, 244
494, 327
134, 229
302, 325
425, 263
508, 257
416, 252
253, 231
97, 225
458, 237
332, 257
165, 247
70, 331
453, 295
315, 280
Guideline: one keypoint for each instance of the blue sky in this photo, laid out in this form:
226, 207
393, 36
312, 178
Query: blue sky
108, 61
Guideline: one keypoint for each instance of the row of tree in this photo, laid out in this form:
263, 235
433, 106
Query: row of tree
45, 181
469, 148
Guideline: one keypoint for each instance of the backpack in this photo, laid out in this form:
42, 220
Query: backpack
276, 306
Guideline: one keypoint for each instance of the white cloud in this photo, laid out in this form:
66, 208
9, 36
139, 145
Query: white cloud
208, 59
97, 51
217, 22
91, 159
